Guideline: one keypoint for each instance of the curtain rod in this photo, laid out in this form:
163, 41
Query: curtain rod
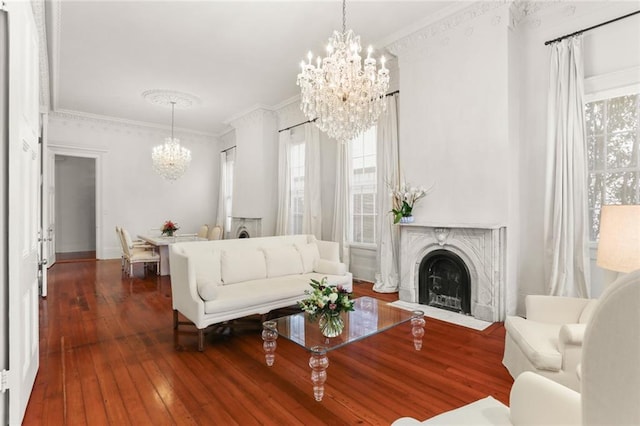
229, 149
311, 121
591, 28
296, 125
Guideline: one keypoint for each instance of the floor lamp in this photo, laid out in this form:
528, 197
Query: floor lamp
619, 244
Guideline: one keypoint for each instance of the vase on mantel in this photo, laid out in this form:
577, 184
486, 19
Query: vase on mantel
406, 219
331, 324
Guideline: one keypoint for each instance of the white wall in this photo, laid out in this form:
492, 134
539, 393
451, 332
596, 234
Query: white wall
75, 217
607, 49
456, 130
133, 195
255, 172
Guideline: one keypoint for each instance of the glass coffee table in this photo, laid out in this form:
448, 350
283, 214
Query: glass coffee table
370, 316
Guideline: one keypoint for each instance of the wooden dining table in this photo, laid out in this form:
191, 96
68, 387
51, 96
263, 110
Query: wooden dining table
163, 242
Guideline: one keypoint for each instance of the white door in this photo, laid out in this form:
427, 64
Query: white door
43, 233
50, 229
24, 220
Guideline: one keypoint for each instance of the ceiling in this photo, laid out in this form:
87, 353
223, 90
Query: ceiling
233, 55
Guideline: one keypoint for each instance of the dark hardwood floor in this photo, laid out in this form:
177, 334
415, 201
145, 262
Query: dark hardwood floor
107, 356
76, 256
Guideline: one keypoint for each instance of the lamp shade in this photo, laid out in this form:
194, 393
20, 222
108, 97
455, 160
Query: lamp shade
619, 245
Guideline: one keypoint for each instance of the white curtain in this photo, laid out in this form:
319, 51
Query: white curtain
340, 231
284, 183
220, 220
312, 213
388, 238
566, 204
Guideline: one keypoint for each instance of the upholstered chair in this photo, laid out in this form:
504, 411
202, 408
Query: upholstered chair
138, 254
610, 376
203, 231
215, 233
549, 340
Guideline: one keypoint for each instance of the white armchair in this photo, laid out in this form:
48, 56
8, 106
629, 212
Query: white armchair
610, 386
549, 340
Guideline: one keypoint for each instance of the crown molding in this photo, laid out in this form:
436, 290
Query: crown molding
121, 124
54, 20
38, 8
253, 115
444, 25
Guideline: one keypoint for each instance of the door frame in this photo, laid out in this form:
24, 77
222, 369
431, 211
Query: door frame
96, 154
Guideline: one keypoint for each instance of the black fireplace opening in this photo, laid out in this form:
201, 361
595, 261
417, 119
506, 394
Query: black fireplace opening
444, 282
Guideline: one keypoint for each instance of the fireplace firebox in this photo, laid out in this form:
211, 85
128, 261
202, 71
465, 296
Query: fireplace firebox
444, 282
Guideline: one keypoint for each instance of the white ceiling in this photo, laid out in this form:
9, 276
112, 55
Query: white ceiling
233, 55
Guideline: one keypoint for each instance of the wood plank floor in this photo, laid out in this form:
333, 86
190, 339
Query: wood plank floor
107, 356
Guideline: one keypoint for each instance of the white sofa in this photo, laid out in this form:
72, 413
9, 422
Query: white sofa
549, 340
221, 280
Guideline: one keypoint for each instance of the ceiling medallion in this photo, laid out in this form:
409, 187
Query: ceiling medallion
338, 93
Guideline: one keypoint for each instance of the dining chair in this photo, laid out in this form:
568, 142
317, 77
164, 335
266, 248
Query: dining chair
139, 253
204, 231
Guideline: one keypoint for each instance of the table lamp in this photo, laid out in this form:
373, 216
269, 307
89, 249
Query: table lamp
619, 244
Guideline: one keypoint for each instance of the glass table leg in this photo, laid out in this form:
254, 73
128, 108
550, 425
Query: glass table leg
417, 328
269, 336
318, 363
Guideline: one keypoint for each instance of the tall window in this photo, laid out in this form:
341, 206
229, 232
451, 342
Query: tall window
363, 188
227, 185
613, 138
296, 185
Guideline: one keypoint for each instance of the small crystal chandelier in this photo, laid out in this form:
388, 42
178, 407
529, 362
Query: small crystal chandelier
338, 93
171, 160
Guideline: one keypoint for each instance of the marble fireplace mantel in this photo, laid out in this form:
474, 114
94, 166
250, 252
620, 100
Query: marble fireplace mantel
482, 247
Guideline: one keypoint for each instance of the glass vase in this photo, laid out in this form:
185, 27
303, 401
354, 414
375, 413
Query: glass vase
331, 324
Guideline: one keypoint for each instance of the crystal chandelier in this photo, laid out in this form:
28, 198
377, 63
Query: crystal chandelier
338, 93
171, 160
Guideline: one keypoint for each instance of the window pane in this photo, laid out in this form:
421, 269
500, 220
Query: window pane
622, 115
621, 188
594, 118
620, 150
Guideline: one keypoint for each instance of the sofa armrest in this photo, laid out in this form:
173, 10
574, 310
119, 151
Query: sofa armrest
554, 309
324, 266
571, 334
184, 290
537, 400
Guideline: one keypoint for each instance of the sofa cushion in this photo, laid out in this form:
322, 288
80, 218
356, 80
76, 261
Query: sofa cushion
206, 264
538, 341
324, 266
282, 261
310, 255
585, 316
242, 265
208, 290
254, 293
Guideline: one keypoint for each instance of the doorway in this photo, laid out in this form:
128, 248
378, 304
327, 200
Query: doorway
75, 208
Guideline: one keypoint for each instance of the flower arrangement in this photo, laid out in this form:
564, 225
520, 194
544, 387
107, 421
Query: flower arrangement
404, 198
326, 299
169, 228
